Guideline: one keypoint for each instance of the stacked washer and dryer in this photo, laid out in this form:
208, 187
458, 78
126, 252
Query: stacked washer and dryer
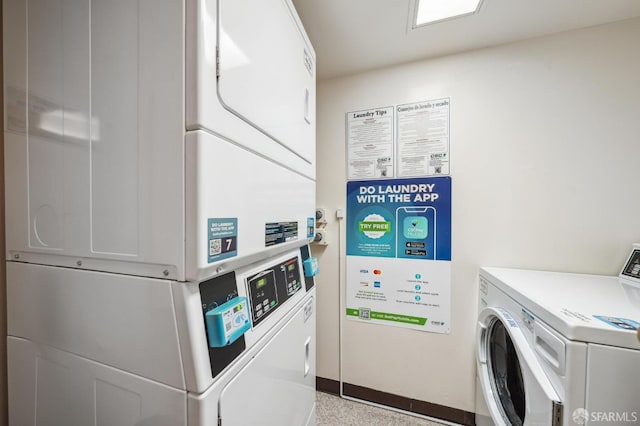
558, 348
160, 195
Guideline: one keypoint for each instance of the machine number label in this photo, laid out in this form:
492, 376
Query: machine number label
222, 238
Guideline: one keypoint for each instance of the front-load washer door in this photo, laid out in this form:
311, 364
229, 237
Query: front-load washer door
515, 387
266, 71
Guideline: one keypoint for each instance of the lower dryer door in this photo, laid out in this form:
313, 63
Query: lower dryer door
515, 387
278, 386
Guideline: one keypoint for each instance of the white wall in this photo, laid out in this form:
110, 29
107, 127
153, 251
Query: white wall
3, 283
545, 143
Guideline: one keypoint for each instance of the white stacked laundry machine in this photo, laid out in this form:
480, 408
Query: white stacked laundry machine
160, 193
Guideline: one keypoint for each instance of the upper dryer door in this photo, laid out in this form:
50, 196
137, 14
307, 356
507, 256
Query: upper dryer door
266, 70
250, 79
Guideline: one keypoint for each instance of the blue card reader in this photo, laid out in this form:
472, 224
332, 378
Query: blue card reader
227, 322
311, 268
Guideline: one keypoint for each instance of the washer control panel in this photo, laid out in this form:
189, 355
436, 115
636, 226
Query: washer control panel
631, 270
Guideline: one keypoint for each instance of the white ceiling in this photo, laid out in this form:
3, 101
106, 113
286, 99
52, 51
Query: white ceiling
351, 36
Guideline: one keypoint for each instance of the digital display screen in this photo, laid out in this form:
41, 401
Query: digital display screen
632, 267
292, 266
261, 283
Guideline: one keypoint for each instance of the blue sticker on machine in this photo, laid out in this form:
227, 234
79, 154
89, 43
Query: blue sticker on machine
223, 238
622, 323
311, 227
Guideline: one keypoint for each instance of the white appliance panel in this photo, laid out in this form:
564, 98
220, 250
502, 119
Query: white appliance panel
117, 320
50, 387
259, 102
247, 187
613, 379
115, 130
278, 386
266, 75
95, 122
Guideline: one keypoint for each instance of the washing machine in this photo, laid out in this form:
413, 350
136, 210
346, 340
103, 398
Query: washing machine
556, 348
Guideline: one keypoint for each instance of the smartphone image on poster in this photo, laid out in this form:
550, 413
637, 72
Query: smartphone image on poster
416, 232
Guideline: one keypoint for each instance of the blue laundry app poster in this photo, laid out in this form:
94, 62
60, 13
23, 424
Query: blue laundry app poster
400, 218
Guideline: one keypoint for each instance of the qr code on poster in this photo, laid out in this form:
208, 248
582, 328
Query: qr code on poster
215, 247
365, 313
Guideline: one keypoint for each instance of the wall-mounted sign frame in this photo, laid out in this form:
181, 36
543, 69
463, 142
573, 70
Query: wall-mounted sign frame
399, 253
407, 140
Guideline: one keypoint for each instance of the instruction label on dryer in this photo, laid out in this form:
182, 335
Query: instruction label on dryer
280, 232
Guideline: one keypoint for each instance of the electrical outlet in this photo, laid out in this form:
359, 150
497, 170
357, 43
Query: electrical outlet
320, 238
321, 215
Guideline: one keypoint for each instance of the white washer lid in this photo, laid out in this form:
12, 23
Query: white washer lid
581, 307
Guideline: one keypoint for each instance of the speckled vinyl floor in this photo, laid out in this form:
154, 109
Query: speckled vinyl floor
335, 411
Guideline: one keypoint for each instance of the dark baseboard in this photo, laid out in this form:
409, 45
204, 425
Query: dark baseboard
424, 408
328, 385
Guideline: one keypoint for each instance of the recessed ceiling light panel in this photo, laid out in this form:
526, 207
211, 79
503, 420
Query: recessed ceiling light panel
430, 11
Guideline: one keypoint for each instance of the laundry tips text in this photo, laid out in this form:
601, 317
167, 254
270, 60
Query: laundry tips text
409, 193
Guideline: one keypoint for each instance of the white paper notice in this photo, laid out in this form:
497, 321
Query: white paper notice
370, 147
402, 293
423, 138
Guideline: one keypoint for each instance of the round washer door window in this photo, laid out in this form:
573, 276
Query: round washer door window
505, 374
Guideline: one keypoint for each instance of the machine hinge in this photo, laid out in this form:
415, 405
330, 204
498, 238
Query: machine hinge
557, 414
217, 62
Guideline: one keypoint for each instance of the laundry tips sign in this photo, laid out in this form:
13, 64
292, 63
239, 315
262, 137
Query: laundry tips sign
399, 252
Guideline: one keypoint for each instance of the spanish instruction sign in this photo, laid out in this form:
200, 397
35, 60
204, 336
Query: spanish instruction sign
399, 252
370, 147
423, 138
